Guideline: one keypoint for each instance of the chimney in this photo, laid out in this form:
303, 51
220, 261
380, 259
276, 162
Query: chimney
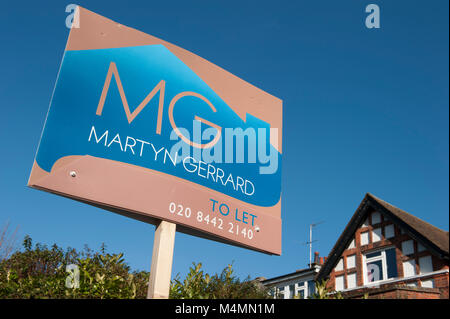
316, 257
321, 261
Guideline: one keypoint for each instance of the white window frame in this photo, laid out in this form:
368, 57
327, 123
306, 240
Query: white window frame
291, 293
308, 288
303, 288
383, 259
305, 295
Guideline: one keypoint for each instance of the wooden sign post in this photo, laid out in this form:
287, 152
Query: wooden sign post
160, 272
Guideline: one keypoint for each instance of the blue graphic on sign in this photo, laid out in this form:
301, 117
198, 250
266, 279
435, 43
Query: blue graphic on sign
75, 127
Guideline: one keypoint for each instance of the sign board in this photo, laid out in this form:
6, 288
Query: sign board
146, 129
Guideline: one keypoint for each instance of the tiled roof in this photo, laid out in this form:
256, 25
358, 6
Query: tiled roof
435, 235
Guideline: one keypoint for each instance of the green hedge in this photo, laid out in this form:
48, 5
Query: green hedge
38, 271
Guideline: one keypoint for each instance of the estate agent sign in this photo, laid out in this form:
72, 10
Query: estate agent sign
146, 129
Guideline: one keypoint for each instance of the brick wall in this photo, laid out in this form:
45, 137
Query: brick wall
394, 292
441, 283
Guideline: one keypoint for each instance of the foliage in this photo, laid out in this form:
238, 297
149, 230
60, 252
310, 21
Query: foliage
323, 292
7, 241
40, 272
198, 285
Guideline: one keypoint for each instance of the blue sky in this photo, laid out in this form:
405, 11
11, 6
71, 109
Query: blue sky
365, 110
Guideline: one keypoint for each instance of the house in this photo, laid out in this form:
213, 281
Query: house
299, 284
385, 252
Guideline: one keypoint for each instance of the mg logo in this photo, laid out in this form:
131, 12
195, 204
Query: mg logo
160, 87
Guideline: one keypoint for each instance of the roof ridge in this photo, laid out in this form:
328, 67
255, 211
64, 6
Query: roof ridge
436, 235
384, 203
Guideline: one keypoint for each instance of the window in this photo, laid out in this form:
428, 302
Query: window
429, 283
389, 231
311, 288
291, 291
301, 290
376, 218
425, 265
375, 270
380, 265
351, 261
339, 283
375, 254
409, 268
376, 235
408, 247
351, 280
340, 265
365, 238
304, 289
391, 262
